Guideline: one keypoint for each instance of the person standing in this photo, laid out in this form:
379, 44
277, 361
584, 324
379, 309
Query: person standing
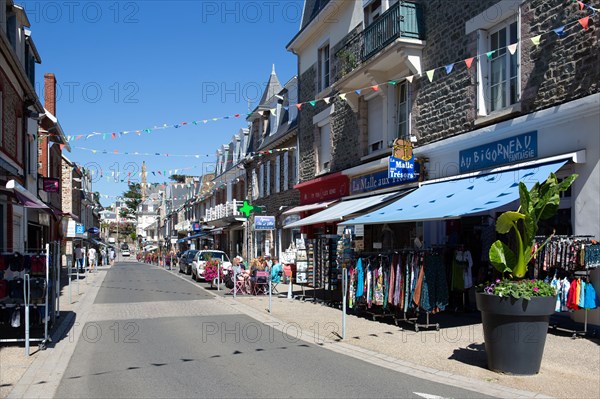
112, 255
91, 258
79, 258
103, 257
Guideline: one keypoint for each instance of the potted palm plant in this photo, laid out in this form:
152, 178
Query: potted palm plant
515, 311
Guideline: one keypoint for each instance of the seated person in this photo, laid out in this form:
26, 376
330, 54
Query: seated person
276, 271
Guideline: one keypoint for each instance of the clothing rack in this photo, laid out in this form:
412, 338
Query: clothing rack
16, 303
409, 270
581, 239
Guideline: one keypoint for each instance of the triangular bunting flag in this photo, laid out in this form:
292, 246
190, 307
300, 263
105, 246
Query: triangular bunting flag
560, 31
113, 135
469, 62
286, 108
115, 152
410, 78
490, 54
392, 82
273, 111
342, 96
585, 22
449, 68
357, 91
299, 105
512, 48
581, 5
62, 146
312, 102
78, 137
93, 151
430, 74
536, 40
375, 88
327, 99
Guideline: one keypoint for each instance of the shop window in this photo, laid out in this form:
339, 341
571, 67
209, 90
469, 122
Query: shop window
323, 67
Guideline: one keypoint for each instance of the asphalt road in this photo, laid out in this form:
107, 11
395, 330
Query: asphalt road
153, 334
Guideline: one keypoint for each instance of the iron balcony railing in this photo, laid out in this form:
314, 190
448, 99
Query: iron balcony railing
402, 20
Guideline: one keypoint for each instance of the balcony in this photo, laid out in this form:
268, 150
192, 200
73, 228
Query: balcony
221, 211
401, 22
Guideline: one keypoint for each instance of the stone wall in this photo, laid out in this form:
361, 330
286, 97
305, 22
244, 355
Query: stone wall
557, 71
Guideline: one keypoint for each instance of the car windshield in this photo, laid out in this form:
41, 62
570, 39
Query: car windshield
191, 254
206, 255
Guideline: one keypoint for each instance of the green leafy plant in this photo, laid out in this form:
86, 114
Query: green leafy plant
520, 289
539, 203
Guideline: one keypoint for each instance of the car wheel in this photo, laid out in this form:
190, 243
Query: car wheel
188, 270
193, 276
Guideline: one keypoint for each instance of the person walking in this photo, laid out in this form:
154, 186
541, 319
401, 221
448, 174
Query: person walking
79, 258
91, 258
103, 259
111, 255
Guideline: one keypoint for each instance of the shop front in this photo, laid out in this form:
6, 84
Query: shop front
474, 177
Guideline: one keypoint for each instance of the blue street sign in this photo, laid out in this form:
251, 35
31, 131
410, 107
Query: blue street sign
264, 223
79, 229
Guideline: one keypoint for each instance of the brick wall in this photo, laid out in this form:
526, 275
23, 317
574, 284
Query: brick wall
306, 130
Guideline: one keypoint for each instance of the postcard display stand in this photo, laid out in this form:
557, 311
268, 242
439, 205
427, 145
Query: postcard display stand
29, 302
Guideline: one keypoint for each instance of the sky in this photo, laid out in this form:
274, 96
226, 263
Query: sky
133, 65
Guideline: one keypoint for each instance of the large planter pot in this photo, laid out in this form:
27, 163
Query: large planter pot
515, 331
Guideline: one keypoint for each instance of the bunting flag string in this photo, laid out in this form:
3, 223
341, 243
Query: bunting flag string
448, 68
117, 152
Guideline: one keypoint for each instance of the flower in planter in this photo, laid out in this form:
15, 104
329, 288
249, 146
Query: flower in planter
211, 269
539, 203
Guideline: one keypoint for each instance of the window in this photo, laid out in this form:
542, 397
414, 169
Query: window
277, 174
286, 163
372, 12
503, 67
324, 147
402, 110
375, 123
323, 66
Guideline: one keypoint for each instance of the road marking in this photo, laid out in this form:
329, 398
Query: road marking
428, 396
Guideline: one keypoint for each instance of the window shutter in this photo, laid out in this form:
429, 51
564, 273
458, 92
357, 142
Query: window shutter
277, 175
268, 178
286, 162
261, 176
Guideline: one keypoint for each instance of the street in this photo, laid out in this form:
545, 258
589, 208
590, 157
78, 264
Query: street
153, 334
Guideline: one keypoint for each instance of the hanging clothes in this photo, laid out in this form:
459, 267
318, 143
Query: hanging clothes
369, 286
360, 277
591, 297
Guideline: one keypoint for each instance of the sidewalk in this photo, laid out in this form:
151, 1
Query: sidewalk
15, 365
570, 367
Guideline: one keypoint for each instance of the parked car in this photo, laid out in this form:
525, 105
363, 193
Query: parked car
200, 259
185, 261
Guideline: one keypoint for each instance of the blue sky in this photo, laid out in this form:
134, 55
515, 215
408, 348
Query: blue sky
132, 65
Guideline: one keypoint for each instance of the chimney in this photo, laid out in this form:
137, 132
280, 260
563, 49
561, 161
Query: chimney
50, 93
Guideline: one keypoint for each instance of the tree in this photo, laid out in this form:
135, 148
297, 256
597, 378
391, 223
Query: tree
178, 178
133, 198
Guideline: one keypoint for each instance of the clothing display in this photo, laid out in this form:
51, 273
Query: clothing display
403, 282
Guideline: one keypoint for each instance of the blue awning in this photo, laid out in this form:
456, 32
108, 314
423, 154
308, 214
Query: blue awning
456, 198
192, 237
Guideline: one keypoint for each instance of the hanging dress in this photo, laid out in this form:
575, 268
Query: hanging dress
378, 297
360, 279
369, 287
352, 288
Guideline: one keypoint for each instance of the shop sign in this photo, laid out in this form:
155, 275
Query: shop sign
291, 219
79, 229
513, 149
50, 185
196, 226
324, 188
379, 179
401, 165
264, 223
71, 226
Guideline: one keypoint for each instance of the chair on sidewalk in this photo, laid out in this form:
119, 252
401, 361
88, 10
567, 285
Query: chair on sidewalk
260, 284
276, 274
239, 288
